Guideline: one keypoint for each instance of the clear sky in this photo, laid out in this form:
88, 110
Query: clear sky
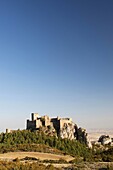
56, 58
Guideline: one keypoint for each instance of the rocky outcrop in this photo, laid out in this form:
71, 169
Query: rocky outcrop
68, 131
82, 136
105, 140
48, 130
71, 131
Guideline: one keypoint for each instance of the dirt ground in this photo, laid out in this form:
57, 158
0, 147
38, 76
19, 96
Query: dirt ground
47, 156
38, 155
87, 166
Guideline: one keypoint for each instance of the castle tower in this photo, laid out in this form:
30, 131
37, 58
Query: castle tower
34, 116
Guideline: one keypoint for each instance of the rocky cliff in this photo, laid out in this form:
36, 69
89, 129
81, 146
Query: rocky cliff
68, 131
71, 131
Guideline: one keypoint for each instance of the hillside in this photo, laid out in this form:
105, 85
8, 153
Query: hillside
24, 140
39, 149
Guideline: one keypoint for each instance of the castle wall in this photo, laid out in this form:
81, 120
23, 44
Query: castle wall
56, 124
64, 121
34, 116
38, 123
47, 121
31, 124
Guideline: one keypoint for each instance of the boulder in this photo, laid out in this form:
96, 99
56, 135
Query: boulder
105, 140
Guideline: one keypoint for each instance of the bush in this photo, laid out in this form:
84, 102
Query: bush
16, 160
30, 158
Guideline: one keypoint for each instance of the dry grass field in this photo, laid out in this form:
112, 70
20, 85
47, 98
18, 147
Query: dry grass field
9, 157
37, 155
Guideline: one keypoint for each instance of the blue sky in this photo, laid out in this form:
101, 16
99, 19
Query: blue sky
56, 58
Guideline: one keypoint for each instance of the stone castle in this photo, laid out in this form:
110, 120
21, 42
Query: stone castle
64, 127
37, 122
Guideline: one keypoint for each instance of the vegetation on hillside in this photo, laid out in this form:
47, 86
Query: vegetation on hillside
20, 139
37, 141
17, 165
105, 155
